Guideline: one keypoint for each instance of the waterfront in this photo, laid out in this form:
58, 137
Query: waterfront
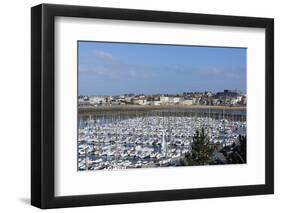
121, 138
118, 112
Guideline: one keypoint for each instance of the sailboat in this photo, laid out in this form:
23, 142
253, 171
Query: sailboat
164, 143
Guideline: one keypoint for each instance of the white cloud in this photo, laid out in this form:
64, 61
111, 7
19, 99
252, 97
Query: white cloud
220, 73
103, 55
105, 64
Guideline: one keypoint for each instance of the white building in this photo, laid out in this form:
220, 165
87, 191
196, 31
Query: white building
170, 100
239, 98
176, 100
187, 102
164, 99
142, 101
97, 100
128, 99
154, 103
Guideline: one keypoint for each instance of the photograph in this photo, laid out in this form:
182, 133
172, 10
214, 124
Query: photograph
140, 105
160, 105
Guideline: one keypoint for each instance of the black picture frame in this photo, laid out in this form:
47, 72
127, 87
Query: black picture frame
43, 102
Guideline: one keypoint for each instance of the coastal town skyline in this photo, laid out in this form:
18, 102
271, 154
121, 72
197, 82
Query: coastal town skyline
110, 69
223, 98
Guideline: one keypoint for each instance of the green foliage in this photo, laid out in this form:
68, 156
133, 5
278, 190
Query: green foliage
201, 150
243, 147
236, 153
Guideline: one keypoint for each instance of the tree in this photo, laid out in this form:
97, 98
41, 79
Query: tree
243, 147
202, 150
236, 153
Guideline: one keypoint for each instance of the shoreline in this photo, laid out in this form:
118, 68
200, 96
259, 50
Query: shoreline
84, 109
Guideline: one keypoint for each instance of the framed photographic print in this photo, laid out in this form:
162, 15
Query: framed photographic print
139, 106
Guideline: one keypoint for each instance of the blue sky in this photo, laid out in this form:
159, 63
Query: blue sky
117, 68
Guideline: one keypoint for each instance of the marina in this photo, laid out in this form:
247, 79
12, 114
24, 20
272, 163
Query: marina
122, 139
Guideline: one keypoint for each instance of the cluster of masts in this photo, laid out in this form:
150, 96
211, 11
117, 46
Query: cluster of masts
146, 141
